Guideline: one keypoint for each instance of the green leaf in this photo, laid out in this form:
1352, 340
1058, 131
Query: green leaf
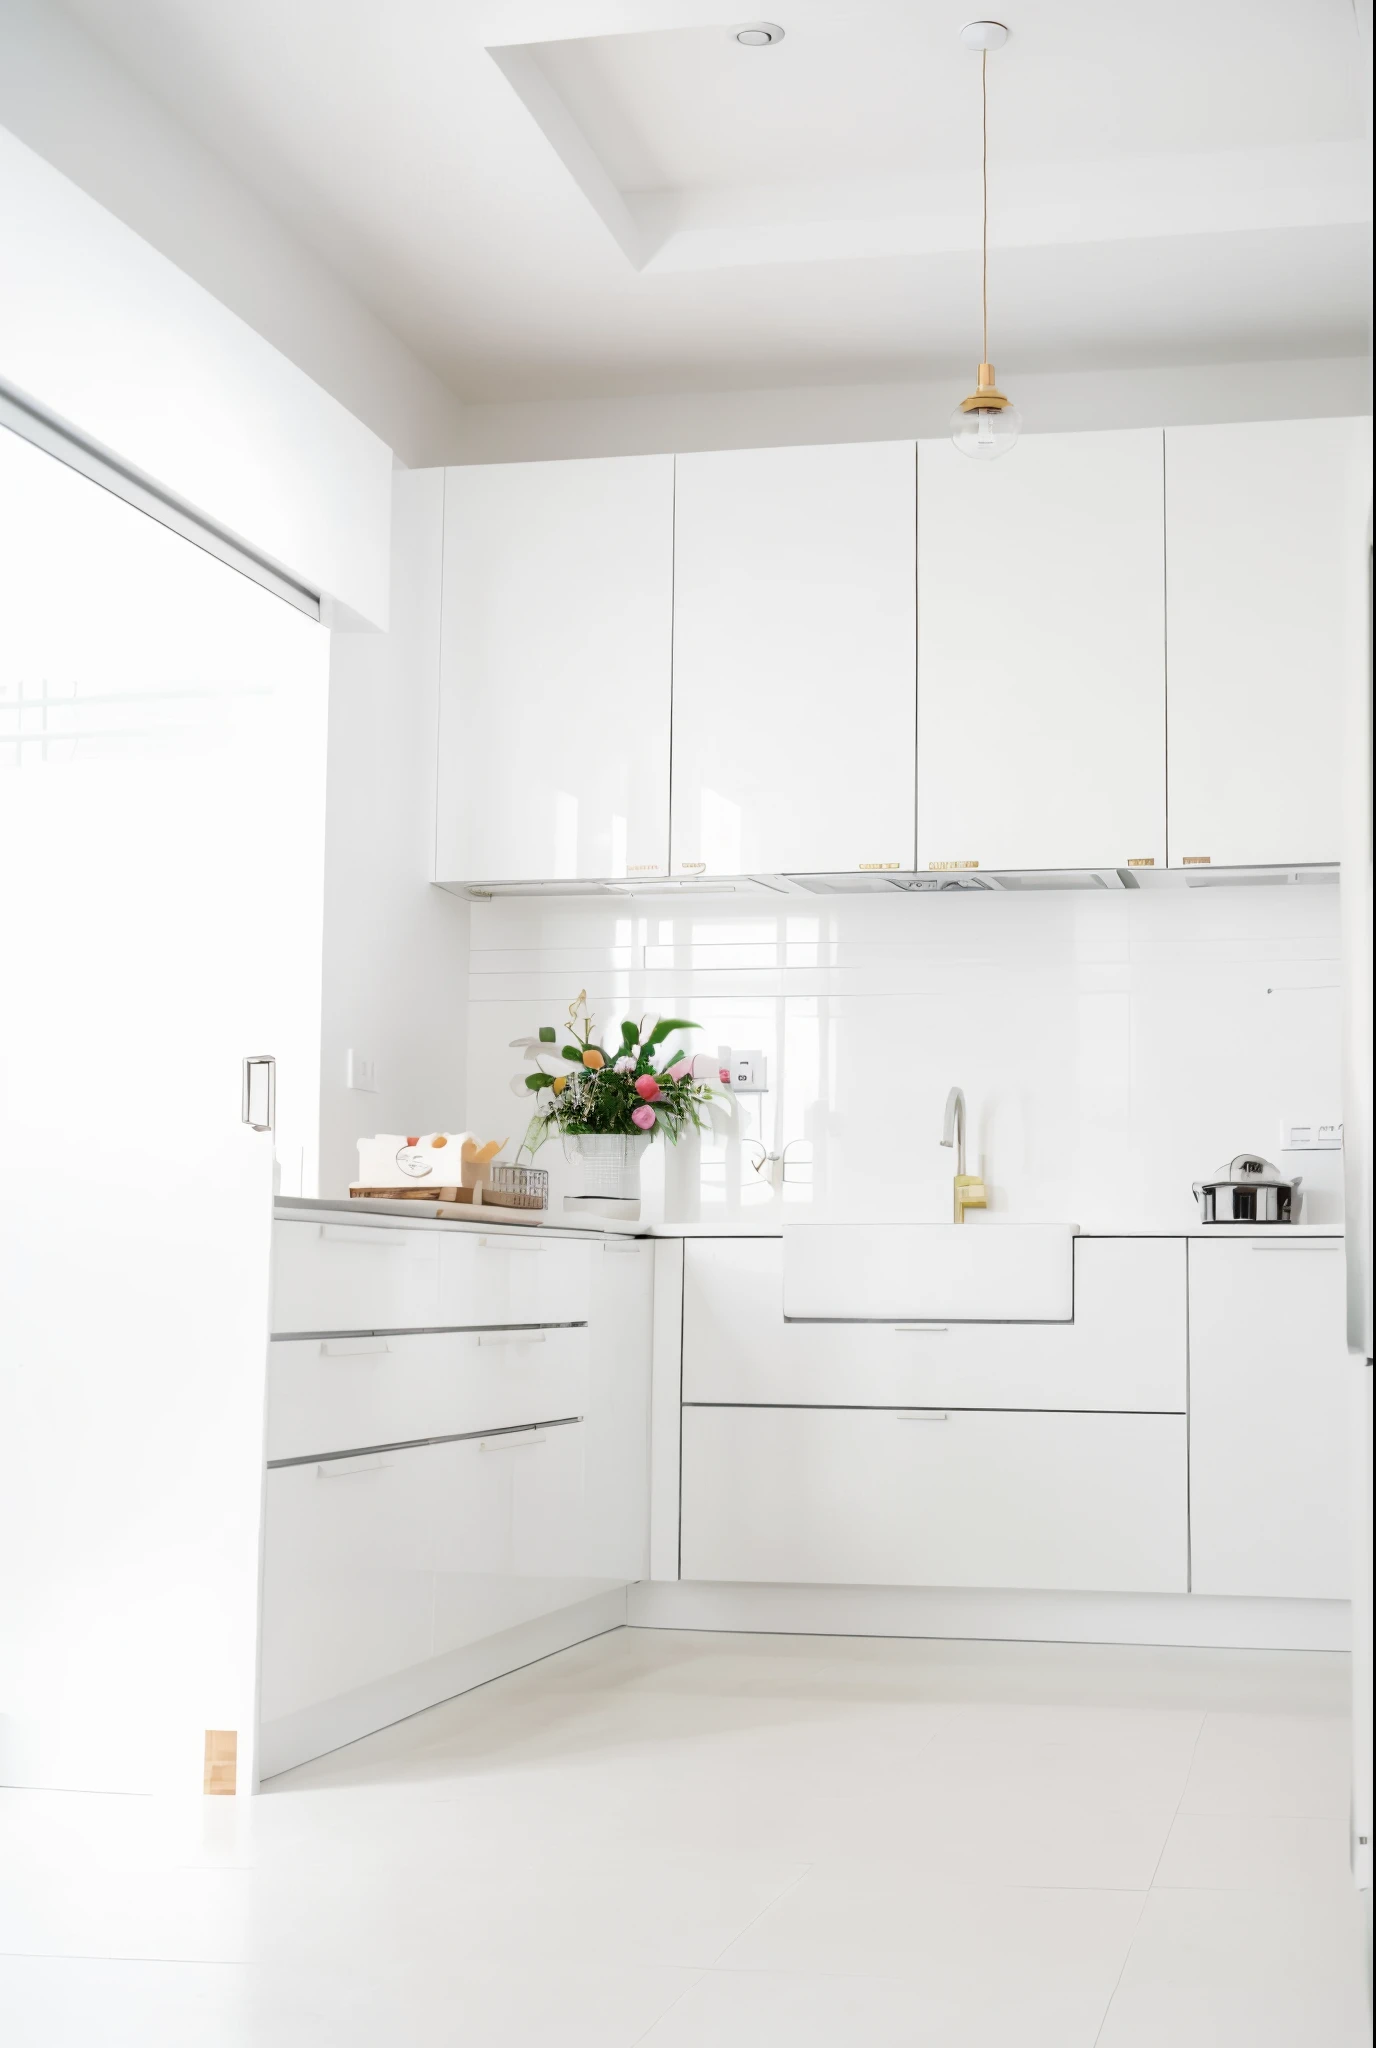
665, 1026
572, 1052
539, 1080
547, 1034
630, 1033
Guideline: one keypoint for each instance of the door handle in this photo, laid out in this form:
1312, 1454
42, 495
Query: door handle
512, 1337
348, 1468
1288, 1248
505, 1244
923, 1415
511, 1443
359, 1233
353, 1347
258, 1091
921, 1330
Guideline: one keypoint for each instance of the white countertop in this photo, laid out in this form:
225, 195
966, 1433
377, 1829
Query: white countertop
446, 1215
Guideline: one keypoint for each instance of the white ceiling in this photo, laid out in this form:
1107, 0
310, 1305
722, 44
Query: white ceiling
572, 197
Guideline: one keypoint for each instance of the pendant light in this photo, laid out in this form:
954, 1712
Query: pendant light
985, 424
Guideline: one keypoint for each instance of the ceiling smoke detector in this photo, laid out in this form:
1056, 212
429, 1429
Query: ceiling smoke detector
758, 35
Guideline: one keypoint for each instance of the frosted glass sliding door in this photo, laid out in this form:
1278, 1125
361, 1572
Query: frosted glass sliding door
162, 730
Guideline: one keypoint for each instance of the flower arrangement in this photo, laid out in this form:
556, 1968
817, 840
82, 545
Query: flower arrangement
629, 1090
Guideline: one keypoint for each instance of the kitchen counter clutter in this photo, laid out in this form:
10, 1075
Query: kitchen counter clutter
479, 1437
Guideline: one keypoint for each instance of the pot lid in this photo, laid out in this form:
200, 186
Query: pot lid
1249, 1169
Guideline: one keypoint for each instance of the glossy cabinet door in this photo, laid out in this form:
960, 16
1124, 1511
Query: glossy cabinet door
926, 1497
1270, 1419
794, 602
1264, 539
348, 1583
555, 670
1041, 738
617, 1433
507, 1531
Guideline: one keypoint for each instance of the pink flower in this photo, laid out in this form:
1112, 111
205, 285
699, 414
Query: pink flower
643, 1118
681, 1070
724, 1076
647, 1088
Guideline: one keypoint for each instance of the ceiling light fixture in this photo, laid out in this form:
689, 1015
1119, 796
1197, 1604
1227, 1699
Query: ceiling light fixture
758, 35
986, 423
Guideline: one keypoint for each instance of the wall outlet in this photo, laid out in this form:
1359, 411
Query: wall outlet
750, 1073
1311, 1137
360, 1072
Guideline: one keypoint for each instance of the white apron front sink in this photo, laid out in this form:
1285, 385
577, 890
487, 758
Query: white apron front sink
925, 1272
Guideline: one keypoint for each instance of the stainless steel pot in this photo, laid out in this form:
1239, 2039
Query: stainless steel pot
1248, 1190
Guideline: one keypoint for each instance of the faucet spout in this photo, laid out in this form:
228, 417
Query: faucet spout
953, 1131
968, 1190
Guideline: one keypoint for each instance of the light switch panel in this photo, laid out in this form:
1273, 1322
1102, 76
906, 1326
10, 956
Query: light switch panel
360, 1072
1311, 1136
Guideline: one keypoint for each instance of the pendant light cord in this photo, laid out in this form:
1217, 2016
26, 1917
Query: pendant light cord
984, 177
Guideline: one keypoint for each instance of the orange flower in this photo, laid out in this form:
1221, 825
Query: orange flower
561, 1082
593, 1058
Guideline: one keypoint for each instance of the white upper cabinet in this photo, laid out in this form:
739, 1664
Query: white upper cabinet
555, 670
1263, 540
794, 656
1041, 658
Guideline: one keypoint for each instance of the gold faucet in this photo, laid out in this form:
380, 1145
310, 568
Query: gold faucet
969, 1190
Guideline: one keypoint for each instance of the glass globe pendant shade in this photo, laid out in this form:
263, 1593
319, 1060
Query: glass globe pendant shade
986, 424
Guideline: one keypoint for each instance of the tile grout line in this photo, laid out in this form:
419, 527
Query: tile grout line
740, 1934
1137, 1928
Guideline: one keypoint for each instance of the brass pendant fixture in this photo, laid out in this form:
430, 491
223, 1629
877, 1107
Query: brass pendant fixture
986, 424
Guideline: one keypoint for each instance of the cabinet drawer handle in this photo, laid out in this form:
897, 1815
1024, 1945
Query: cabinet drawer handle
920, 1415
353, 1347
1288, 1248
624, 1249
512, 1337
348, 1468
505, 1244
511, 1443
359, 1233
921, 1330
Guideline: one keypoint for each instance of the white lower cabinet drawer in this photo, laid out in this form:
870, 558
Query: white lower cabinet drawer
509, 1534
348, 1589
1125, 1349
512, 1277
354, 1276
347, 1393
935, 1498
378, 1563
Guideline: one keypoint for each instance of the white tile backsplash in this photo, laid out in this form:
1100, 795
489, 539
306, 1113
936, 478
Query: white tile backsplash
1112, 1048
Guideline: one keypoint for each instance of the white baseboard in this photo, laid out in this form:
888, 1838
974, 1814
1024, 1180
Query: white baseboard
1190, 1620
315, 1730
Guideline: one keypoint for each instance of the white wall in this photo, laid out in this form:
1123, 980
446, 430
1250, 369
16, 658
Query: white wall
1113, 1047
1063, 402
103, 333
395, 964
68, 99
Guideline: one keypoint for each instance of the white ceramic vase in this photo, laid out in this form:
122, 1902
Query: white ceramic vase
611, 1165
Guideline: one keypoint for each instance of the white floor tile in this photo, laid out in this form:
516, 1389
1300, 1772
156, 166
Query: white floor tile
195, 1916
773, 2009
65, 2003
1271, 1763
1242, 1970
1257, 1852
1027, 1964
59, 2002
680, 1913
